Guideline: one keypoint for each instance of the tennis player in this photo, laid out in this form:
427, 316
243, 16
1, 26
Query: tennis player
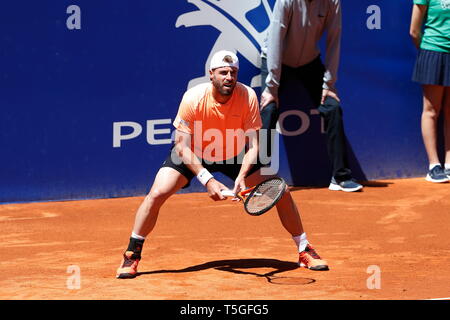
217, 129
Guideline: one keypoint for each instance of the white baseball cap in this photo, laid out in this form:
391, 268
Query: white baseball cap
224, 58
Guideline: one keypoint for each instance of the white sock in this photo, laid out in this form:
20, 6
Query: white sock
301, 242
447, 166
432, 165
136, 236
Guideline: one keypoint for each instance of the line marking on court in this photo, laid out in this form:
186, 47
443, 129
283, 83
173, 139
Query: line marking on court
40, 215
439, 299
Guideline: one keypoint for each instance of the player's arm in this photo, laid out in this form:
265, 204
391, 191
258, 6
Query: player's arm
249, 160
185, 153
415, 30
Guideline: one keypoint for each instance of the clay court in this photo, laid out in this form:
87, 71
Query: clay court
202, 249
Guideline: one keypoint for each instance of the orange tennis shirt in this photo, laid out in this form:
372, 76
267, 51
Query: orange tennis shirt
218, 131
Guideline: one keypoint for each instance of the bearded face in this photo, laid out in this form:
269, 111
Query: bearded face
224, 80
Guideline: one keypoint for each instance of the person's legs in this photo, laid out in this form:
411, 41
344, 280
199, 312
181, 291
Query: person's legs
311, 77
446, 106
331, 112
167, 182
269, 115
432, 104
291, 221
287, 210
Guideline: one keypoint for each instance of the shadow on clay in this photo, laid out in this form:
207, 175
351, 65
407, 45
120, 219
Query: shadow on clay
236, 266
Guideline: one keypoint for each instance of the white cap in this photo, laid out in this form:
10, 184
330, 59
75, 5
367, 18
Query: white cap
224, 59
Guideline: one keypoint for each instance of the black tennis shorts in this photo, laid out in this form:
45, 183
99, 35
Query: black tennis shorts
230, 167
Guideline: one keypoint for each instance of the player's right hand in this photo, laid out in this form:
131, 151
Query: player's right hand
214, 188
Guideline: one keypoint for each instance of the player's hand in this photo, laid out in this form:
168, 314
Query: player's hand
266, 98
213, 186
328, 93
239, 185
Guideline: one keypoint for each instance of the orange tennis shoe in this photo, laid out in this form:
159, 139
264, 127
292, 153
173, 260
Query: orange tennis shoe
311, 260
128, 267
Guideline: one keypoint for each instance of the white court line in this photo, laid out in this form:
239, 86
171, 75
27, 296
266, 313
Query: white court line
439, 299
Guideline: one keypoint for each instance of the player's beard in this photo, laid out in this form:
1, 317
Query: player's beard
222, 88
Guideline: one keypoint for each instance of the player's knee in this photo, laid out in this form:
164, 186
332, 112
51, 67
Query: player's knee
157, 195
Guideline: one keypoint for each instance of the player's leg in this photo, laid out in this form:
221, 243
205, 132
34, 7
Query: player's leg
446, 106
291, 221
287, 210
167, 182
432, 103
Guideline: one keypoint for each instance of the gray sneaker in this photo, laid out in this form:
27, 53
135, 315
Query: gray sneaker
447, 173
347, 185
437, 175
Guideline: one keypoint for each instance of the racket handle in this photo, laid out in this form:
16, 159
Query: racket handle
246, 191
227, 193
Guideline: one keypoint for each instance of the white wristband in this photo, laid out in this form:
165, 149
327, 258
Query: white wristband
204, 176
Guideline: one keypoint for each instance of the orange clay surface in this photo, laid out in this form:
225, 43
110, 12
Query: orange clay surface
208, 250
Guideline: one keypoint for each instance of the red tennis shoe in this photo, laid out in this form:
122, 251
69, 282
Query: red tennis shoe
128, 267
311, 260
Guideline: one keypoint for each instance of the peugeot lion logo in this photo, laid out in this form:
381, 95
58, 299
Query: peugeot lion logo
236, 32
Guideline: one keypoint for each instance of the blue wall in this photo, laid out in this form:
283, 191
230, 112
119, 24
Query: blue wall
63, 91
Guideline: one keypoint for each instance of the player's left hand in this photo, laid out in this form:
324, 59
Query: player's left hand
328, 93
239, 185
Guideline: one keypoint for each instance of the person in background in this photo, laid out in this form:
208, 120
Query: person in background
291, 53
432, 70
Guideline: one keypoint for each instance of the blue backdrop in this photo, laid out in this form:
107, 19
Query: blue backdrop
87, 93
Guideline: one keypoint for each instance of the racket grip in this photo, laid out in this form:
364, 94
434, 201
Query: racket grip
246, 191
227, 193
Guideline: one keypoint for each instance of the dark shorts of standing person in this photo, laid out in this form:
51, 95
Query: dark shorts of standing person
432, 68
229, 167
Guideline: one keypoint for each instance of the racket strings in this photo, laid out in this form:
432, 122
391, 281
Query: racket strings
265, 195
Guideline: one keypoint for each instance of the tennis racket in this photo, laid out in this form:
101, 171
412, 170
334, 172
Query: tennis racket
260, 198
